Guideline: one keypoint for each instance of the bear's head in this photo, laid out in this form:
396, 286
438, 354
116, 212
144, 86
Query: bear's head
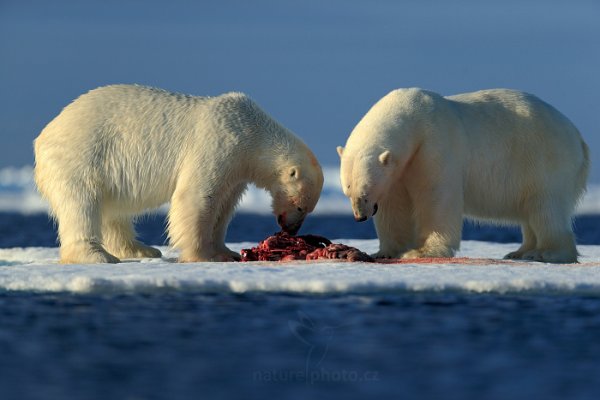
365, 175
296, 190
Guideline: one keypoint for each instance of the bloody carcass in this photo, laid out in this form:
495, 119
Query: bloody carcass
284, 247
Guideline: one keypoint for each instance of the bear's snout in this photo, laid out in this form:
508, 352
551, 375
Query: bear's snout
361, 206
290, 227
362, 218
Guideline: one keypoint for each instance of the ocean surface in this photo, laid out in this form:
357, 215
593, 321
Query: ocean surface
184, 343
180, 345
23, 230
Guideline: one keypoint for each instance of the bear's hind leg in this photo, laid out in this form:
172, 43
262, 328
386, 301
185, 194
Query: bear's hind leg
79, 233
118, 235
529, 243
555, 239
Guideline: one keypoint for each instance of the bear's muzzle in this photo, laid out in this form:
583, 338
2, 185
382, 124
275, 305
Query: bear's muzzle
362, 209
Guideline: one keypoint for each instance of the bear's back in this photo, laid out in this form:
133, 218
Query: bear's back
514, 120
510, 107
515, 141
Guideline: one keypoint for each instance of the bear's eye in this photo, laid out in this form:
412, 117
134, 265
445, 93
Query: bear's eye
299, 209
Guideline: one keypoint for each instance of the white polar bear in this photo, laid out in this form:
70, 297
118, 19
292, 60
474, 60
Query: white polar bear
425, 161
120, 150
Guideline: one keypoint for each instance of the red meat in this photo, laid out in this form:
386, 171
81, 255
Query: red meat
283, 247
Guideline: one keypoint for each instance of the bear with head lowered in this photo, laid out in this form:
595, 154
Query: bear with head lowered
120, 150
419, 163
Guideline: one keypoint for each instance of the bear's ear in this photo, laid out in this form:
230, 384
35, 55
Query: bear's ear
340, 151
294, 173
385, 157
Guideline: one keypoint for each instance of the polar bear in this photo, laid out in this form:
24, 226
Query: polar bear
119, 150
426, 161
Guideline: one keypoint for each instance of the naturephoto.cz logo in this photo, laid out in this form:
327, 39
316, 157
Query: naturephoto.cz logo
317, 339
315, 376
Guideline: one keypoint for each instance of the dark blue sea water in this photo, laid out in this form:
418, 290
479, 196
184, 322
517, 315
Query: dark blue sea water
18, 230
186, 345
199, 346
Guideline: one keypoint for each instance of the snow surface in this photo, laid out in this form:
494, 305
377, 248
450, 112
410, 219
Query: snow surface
36, 269
18, 194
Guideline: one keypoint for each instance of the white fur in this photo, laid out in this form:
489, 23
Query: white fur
498, 155
120, 150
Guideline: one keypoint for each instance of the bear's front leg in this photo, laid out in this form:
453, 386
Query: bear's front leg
230, 199
436, 245
438, 217
394, 224
193, 218
529, 242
